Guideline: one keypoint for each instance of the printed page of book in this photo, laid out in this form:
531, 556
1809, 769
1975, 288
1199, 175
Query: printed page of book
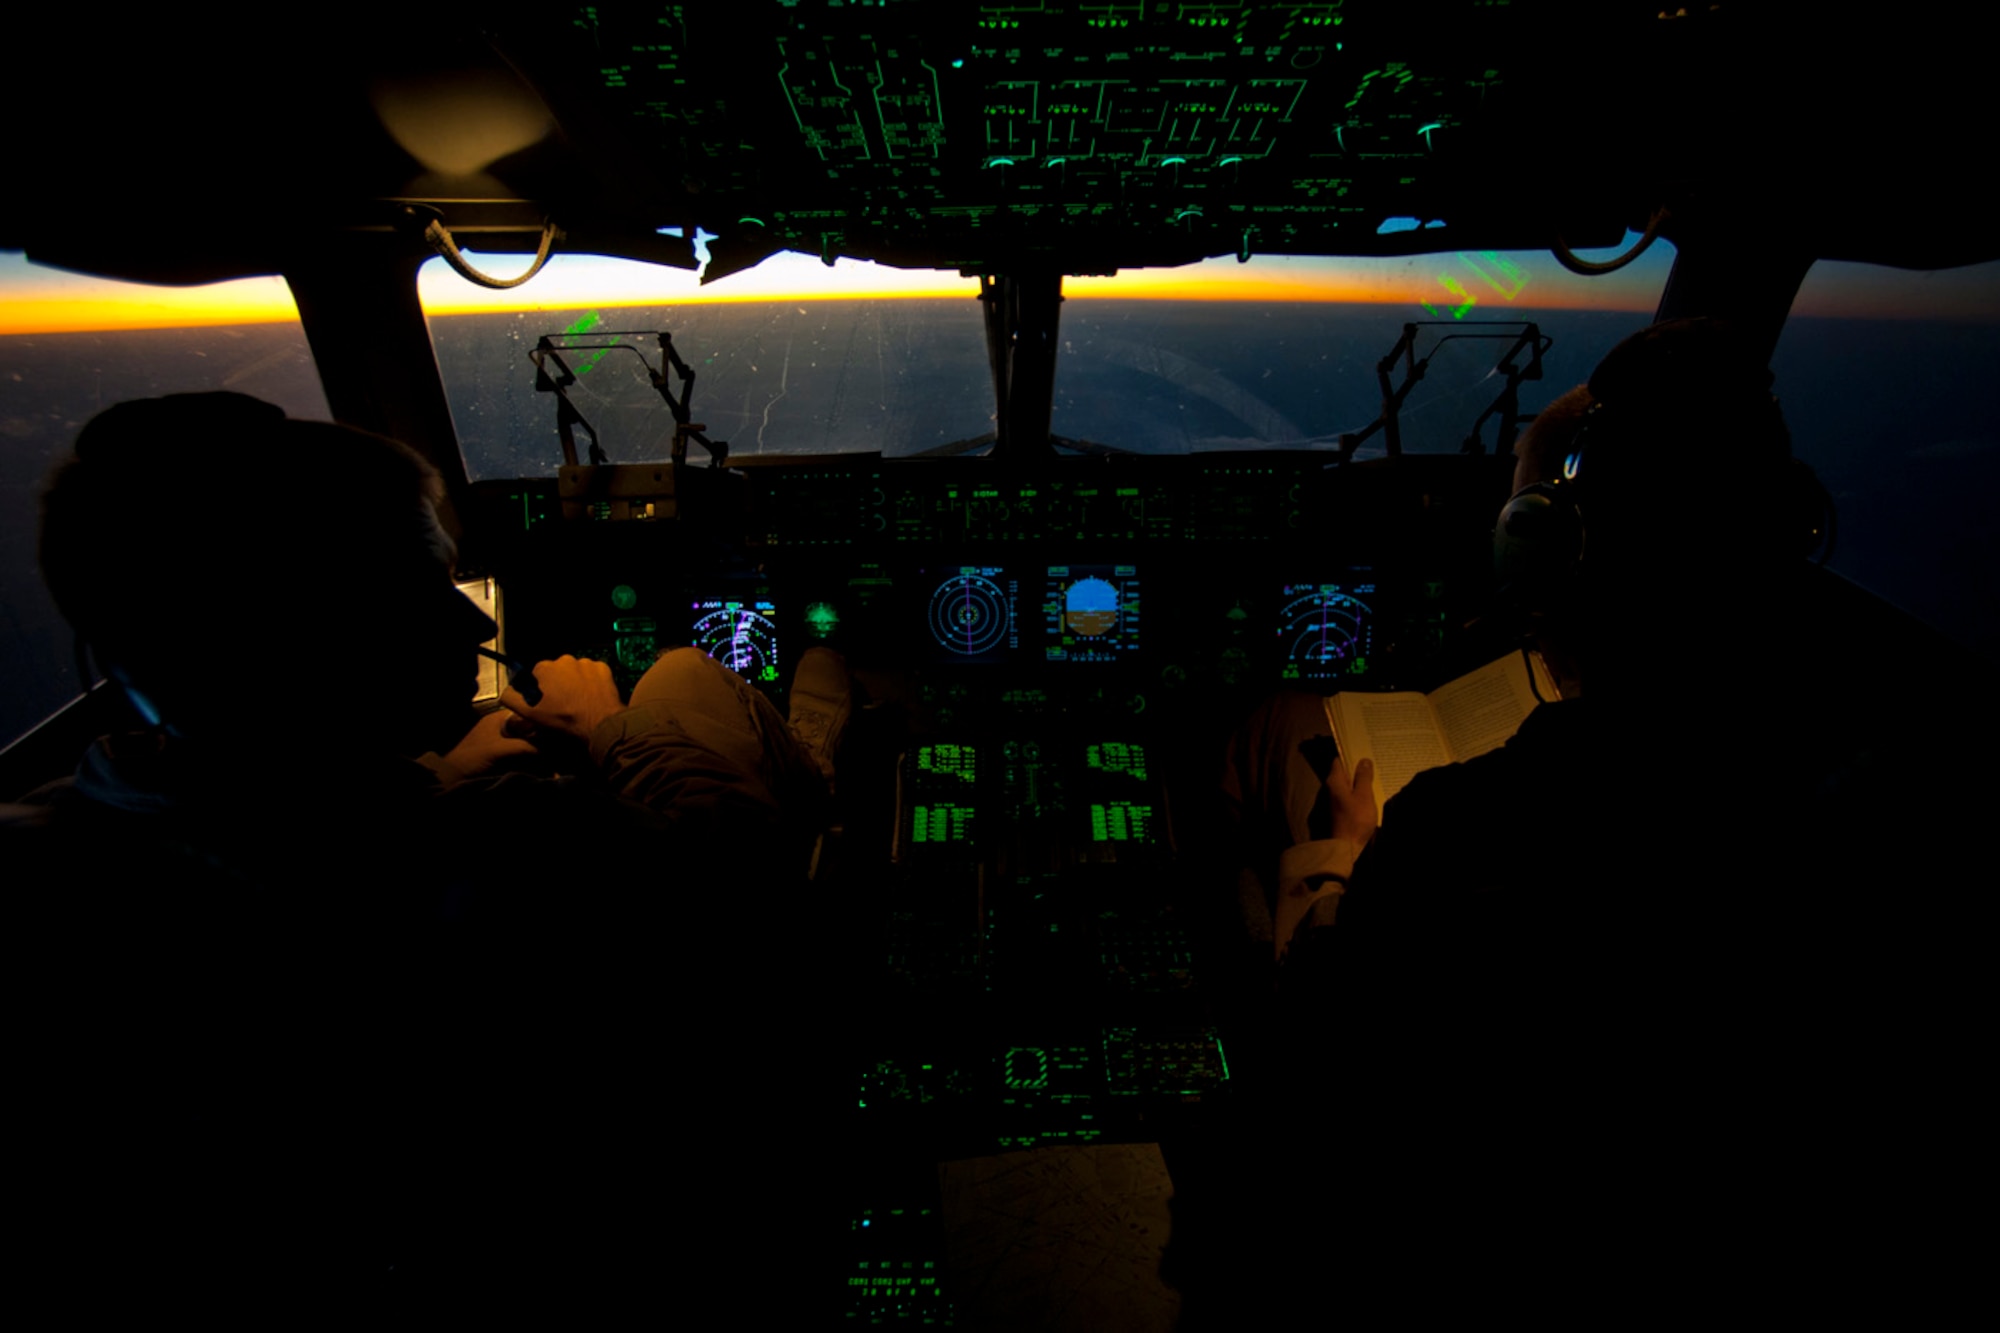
1398, 731
1481, 709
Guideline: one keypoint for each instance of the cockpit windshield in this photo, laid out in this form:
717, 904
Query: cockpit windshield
798, 358
1283, 353
71, 346
1883, 374
788, 359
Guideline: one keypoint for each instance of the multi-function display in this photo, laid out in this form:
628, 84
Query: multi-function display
1088, 613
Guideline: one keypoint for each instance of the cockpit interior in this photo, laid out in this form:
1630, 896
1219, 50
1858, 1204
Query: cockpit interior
1057, 594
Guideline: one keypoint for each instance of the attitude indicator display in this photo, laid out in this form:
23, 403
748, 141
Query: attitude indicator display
1090, 613
1327, 629
972, 614
740, 633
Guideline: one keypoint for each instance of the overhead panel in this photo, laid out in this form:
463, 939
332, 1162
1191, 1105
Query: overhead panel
1071, 133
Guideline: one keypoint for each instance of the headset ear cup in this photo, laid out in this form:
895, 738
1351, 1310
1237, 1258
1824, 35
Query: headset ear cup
1538, 544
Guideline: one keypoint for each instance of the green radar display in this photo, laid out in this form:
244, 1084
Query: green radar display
1328, 629
740, 633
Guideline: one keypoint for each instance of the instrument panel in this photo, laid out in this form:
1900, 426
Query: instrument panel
1088, 581
1051, 658
1254, 500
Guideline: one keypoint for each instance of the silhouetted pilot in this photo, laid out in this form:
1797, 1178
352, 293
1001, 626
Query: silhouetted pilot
1582, 1024
313, 1021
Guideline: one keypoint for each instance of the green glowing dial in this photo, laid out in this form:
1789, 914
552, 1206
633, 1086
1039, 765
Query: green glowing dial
822, 619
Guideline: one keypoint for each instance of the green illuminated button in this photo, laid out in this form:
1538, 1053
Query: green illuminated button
1025, 1067
623, 597
1118, 757
1120, 821
636, 652
956, 761
941, 822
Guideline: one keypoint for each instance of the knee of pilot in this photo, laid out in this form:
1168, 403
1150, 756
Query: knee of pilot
675, 673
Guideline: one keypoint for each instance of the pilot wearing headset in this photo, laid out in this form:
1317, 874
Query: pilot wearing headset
1655, 507
315, 1018
1554, 965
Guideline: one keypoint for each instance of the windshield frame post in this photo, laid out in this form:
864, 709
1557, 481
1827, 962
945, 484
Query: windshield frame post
1023, 314
364, 321
1734, 272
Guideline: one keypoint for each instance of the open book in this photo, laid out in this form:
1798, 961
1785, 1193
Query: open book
1405, 732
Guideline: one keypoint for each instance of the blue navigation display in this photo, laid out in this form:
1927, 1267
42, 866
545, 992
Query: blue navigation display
739, 632
1327, 629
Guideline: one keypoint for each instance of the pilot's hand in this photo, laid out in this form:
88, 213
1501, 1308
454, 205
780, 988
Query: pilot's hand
577, 694
1354, 813
489, 742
